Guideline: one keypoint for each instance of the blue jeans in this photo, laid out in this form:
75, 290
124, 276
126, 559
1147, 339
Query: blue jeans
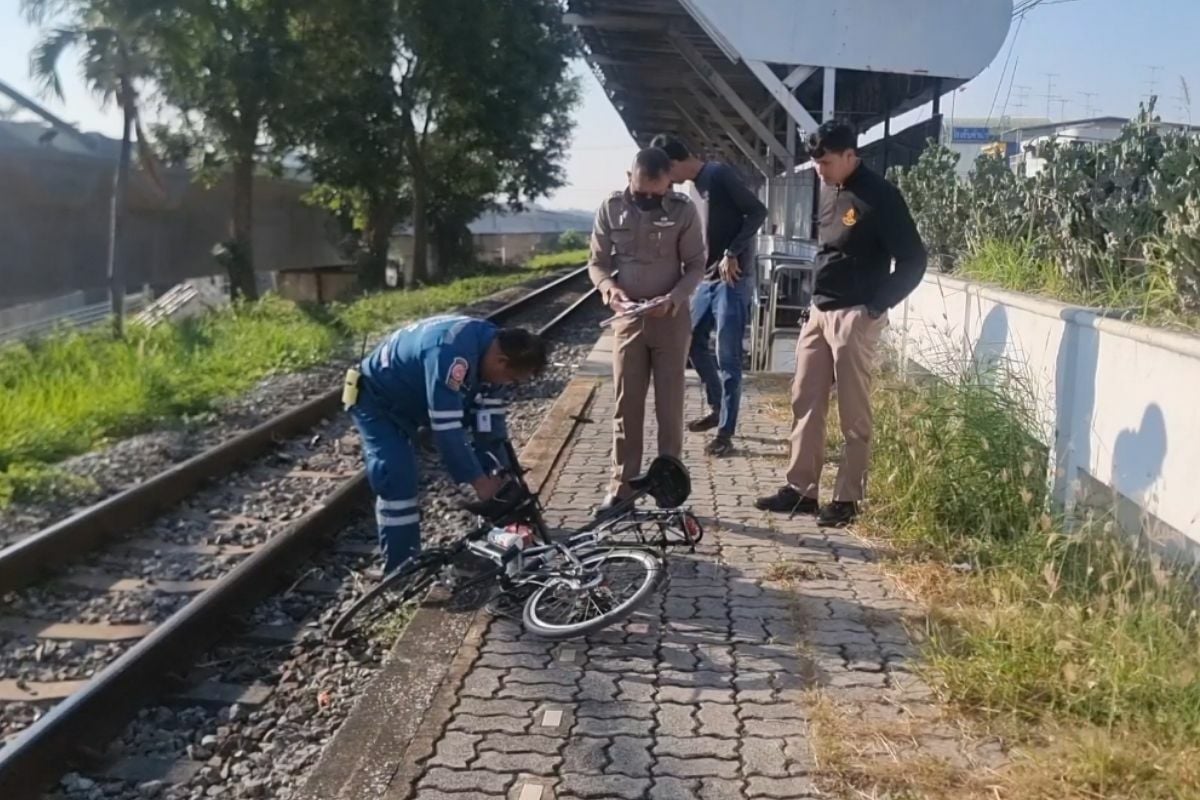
726, 308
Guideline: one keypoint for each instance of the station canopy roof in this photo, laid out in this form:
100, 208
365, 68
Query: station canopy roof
710, 70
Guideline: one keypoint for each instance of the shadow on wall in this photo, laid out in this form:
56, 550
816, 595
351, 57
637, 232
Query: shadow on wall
990, 349
1074, 406
1138, 454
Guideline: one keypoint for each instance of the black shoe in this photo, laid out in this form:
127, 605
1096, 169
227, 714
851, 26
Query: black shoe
788, 501
719, 447
838, 514
705, 423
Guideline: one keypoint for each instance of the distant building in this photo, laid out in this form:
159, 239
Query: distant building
505, 237
1093, 130
968, 136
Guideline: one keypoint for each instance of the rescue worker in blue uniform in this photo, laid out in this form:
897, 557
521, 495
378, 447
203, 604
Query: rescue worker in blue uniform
441, 373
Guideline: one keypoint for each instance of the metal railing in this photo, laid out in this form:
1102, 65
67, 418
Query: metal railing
84, 317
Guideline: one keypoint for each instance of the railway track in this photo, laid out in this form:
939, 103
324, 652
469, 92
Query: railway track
148, 579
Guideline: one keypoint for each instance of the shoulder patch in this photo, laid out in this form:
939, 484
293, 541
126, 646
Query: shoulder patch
457, 373
618, 193
681, 197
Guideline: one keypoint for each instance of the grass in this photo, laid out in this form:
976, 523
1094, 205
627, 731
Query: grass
71, 392
567, 258
1080, 648
1147, 295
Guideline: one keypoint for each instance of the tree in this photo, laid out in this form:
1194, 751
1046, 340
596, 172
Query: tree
490, 77
232, 62
344, 122
112, 40
572, 240
442, 107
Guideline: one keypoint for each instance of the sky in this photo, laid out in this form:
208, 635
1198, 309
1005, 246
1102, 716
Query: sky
1092, 46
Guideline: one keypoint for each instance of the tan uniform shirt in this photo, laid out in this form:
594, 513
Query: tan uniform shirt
653, 252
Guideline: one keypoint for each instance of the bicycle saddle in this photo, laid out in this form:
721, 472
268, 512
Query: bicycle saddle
667, 481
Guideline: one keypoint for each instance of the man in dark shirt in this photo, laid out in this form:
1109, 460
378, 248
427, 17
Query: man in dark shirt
723, 297
864, 224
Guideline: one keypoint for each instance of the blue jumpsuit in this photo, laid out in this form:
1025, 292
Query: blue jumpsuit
425, 374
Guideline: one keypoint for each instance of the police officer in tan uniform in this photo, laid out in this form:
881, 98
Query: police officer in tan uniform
647, 243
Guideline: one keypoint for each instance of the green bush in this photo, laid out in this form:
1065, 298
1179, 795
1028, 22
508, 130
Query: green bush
1119, 221
572, 240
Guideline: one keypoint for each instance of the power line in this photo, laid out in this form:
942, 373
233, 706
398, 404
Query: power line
1007, 58
1008, 96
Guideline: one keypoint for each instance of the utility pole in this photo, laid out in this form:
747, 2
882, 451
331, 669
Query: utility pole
1022, 100
1050, 96
1151, 83
1089, 110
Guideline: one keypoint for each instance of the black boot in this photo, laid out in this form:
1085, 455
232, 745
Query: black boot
788, 501
838, 514
705, 423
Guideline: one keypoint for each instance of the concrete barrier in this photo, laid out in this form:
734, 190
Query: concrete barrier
1116, 401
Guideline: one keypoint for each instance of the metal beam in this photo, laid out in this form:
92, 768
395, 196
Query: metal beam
828, 94
616, 22
783, 95
55, 122
798, 76
706, 137
719, 84
605, 60
739, 141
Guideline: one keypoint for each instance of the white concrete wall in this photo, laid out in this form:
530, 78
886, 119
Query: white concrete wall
1118, 402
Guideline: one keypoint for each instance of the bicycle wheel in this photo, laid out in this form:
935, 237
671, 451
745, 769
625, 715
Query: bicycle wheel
627, 578
405, 584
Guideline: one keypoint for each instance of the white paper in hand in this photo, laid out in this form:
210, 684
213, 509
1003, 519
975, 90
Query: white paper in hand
634, 309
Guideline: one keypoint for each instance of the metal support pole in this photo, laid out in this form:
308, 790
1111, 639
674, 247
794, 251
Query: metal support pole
789, 195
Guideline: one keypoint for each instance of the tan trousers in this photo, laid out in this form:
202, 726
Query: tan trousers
839, 346
644, 349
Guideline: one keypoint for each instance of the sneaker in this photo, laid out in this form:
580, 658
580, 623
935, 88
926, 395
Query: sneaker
705, 423
838, 514
787, 500
720, 446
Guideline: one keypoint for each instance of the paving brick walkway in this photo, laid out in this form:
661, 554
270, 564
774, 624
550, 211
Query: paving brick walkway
701, 695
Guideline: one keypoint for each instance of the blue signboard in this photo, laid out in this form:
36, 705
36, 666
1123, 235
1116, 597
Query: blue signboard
971, 135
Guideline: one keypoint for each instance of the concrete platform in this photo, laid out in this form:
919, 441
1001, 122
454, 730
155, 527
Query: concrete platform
705, 693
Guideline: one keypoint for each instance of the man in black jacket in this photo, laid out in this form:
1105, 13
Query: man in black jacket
722, 300
864, 225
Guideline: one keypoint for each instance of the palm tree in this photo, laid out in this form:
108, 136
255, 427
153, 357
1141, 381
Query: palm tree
113, 59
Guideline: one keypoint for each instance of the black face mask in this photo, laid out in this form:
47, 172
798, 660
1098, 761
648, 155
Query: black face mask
647, 202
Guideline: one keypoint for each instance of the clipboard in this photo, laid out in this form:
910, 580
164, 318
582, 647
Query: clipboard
635, 309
